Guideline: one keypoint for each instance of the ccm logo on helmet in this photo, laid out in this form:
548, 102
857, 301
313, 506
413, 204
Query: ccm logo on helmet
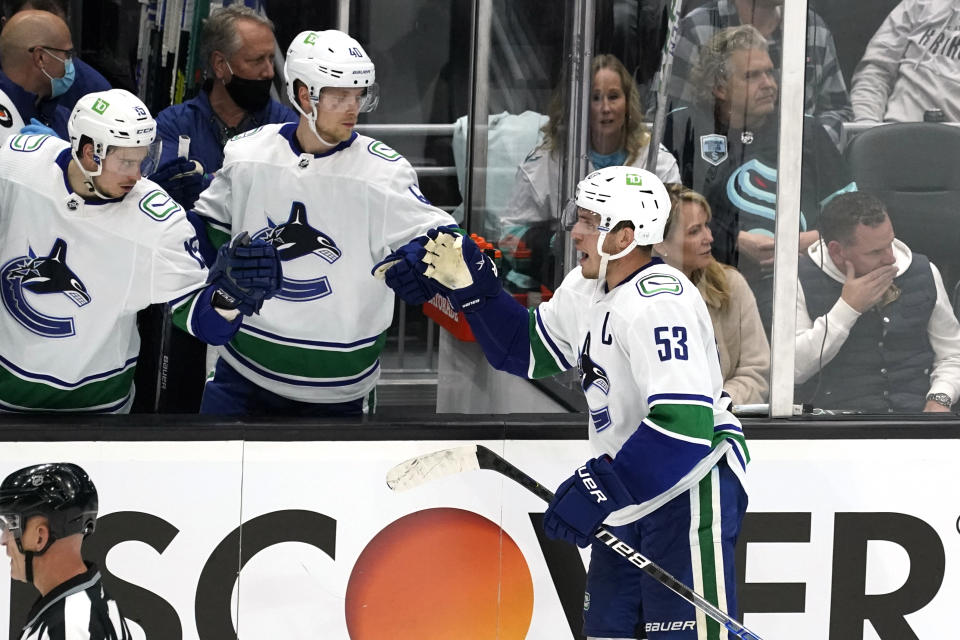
591, 484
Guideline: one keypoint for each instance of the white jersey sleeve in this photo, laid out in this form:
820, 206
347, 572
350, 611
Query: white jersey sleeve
177, 268
556, 326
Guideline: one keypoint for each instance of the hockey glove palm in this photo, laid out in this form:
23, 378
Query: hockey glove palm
466, 276
583, 501
399, 272
245, 273
182, 179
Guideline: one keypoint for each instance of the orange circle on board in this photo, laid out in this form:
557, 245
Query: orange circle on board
440, 574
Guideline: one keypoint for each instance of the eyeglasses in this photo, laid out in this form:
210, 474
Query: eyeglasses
67, 53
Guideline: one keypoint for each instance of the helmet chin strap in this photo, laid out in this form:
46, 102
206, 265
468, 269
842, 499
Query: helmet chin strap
312, 119
29, 555
88, 176
605, 259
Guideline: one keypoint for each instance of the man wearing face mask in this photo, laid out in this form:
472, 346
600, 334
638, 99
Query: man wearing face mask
41, 74
237, 47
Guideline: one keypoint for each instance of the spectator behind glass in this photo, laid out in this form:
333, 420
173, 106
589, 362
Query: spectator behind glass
875, 329
236, 47
618, 136
41, 74
727, 145
911, 65
58, 7
741, 342
825, 92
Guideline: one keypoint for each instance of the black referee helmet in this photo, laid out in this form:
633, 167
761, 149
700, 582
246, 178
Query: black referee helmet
62, 492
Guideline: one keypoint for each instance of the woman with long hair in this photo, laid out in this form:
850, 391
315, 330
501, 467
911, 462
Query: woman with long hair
618, 136
741, 341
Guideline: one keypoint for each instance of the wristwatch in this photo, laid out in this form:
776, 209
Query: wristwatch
941, 398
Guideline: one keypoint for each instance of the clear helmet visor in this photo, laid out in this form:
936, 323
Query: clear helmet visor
133, 160
10, 523
343, 99
573, 215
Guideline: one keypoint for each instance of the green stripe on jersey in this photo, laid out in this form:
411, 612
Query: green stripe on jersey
39, 395
217, 237
720, 436
308, 363
181, 312
691, 420
544, 364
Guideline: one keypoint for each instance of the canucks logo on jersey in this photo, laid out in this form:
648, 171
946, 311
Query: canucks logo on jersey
593, 376
294, 239
41, 275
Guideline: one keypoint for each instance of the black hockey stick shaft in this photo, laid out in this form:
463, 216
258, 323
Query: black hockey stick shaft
487, 459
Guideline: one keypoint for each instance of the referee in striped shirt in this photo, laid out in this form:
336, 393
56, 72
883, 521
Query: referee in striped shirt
45, 512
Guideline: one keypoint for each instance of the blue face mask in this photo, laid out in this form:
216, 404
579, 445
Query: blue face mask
59, 86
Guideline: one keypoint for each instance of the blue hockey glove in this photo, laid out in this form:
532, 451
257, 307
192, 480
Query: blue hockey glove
399, 272
245, 273
467, 277
38, 128
182, 179
583, 501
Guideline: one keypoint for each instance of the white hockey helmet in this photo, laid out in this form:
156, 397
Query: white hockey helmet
329, 58
114, 118
626, 194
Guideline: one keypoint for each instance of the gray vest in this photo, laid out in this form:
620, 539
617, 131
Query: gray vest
884, 365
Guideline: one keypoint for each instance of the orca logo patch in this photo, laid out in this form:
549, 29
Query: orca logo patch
38, 276
295, 239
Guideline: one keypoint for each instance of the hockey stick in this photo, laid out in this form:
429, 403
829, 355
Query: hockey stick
473, 457
666, 69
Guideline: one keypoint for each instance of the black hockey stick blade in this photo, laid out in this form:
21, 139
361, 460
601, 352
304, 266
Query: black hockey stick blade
473, 457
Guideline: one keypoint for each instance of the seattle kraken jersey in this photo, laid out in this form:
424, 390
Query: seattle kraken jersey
650, 372
332, 217
73, 275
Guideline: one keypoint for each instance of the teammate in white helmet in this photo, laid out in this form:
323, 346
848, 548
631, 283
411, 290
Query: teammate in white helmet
85, 243
670, 457
334, 204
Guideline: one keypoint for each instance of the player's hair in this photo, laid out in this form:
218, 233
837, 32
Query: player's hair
58, 7
712, 69
716, 289
220, 32
637, 136
840, 218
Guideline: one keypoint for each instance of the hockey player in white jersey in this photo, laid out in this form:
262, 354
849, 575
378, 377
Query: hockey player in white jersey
85, 243
334, 204
667, 476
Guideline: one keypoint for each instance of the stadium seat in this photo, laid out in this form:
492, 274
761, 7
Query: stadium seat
914, 167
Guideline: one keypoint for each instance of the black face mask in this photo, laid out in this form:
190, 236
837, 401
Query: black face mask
250, 95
